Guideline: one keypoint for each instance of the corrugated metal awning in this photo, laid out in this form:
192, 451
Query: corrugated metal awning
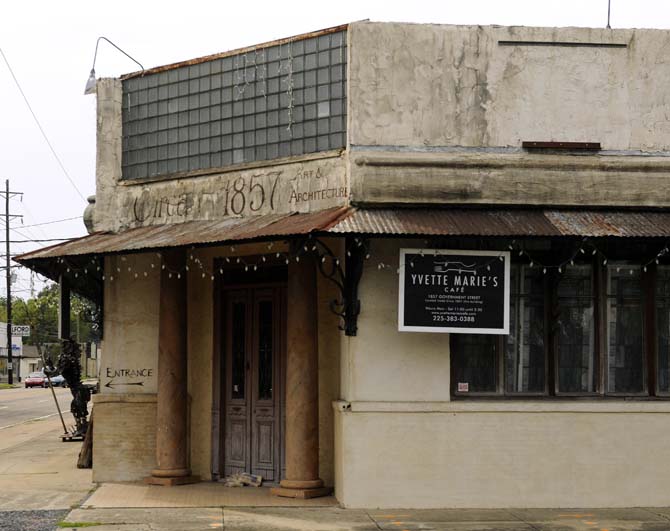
191, 233
391, 222
499, 222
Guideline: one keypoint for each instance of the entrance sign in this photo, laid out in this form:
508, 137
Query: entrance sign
453, 291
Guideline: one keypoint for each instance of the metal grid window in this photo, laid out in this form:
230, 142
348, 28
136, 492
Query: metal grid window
284, 100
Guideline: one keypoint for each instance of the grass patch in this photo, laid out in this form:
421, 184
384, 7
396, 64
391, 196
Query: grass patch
7, 386
69, 525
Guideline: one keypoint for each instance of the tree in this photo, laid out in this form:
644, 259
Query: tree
41, 314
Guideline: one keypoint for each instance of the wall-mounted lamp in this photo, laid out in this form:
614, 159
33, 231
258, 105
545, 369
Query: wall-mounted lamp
90, 84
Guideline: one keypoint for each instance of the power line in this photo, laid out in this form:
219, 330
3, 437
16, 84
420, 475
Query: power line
53, 151
50, 222
41, 240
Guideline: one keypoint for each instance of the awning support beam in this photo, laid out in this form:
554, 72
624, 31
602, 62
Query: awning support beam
348, 307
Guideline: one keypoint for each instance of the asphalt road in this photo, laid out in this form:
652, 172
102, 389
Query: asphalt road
23, 405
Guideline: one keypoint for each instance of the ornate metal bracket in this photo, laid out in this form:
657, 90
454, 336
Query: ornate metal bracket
348, 307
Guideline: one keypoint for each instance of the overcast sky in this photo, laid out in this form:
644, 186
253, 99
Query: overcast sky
50, 44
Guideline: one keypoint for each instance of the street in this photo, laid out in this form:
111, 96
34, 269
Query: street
22, 405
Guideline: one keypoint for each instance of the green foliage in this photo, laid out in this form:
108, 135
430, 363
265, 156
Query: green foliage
41, 313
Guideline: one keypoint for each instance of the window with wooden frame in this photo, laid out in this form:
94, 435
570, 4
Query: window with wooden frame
589, 330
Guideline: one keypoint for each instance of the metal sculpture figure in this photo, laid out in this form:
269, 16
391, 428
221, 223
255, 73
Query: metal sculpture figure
69, 366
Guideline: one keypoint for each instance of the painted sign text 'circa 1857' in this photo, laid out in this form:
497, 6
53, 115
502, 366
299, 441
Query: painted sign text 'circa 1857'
247, 193
454, 291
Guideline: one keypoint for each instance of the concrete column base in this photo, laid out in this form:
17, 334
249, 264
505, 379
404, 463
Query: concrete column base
302, 494
171, 481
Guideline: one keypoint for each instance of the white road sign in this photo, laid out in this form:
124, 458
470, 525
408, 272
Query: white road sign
21, 330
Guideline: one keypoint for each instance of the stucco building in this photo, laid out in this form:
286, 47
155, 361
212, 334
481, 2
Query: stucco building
238, 195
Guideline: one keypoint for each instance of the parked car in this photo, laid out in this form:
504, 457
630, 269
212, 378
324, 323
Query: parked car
36, 379
58, 381
39, 379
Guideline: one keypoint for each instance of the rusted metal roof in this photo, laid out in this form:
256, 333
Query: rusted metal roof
192, 233
345, 220
498, 222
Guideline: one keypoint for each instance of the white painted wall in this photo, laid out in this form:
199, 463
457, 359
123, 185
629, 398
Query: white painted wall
401, 442
503, 454
438, 85
380, 363
131, 322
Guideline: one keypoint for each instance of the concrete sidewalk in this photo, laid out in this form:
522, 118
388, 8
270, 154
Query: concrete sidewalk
337, 519
38, 471
207, 505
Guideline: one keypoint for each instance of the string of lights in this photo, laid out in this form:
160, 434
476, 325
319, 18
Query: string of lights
315, 248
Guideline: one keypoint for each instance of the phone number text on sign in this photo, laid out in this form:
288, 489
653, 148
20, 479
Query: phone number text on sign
454, 291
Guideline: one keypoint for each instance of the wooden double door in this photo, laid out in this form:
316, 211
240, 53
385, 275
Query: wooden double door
253, 395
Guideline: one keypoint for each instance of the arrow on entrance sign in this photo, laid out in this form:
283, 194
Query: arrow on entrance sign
111, 383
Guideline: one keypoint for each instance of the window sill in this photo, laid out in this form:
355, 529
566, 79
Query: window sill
509, 406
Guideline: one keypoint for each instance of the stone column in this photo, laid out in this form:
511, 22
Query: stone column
302, 391
171, 422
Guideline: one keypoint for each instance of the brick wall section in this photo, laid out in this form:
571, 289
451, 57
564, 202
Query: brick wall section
124, 434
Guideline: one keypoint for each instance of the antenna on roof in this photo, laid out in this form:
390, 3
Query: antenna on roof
609, 5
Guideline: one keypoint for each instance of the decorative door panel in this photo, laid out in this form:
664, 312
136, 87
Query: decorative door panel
254, 349
237, 427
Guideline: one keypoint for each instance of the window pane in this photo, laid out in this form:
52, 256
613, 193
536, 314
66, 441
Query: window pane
524, 346
239, 350
625, 359
663, 327
576, 331
474, 361
265, 351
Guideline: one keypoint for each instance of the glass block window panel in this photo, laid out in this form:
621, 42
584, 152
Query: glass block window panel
663, 327
278, 101
625, 347
576, 352
525, 358
474, 362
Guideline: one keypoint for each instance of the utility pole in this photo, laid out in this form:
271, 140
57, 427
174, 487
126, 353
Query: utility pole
8, 195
